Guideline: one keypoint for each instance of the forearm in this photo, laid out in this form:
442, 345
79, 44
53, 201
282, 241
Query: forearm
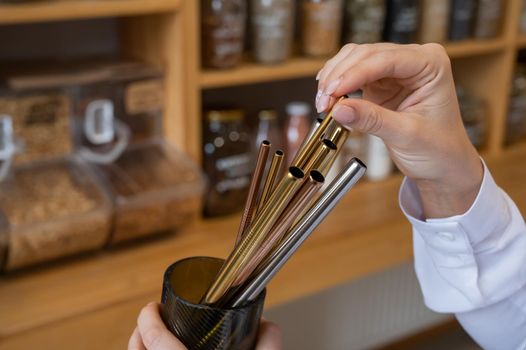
454, 194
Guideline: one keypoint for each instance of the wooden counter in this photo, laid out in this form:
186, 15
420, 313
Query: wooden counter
92, 302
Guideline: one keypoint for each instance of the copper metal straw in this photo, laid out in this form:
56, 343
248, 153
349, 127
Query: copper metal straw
251, 241
300, 202
253, 191
308, 148
272, 174
352, 172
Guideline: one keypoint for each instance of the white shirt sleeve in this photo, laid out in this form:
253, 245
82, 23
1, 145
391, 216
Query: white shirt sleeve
474, 264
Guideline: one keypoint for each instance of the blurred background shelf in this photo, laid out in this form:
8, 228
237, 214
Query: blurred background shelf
46, 11
297, 67
97, 298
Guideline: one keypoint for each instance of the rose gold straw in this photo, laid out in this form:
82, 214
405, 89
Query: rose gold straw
255, 182
273, 172
299, 202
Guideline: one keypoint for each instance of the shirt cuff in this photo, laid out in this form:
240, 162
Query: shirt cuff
466, 261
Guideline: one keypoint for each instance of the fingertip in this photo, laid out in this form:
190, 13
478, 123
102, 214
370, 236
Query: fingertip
344, 114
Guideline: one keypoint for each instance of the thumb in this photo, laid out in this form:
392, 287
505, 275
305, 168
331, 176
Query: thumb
370, 118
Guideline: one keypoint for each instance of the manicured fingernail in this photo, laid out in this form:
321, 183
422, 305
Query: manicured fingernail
318, 75
344, 114
323, 103
318, 95
333, 85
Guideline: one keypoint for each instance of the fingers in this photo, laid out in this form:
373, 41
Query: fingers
135, 342
269, 337
412, 65
154, 334
370, 118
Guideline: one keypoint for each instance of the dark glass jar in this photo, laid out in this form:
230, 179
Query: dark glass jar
516, 121
272, 29
321, 26
401, 23
222, 32
488, 17
269, 128
461, 19
473, 110
364, 21
228, 161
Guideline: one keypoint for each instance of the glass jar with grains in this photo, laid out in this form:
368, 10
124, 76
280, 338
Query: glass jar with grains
364, 21
321, 26
228, 161
272, 29
222, 32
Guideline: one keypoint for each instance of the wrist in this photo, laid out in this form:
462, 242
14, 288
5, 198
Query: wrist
452, 195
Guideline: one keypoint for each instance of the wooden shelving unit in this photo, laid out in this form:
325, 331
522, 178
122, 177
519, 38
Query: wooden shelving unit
92, 302
81, 9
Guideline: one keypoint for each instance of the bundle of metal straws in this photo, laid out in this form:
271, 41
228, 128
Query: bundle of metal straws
274, 225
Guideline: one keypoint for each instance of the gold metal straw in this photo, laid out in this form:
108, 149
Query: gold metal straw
299, 202
250, 242
253, 191
320, 154
305, 152
272, 174
338, 136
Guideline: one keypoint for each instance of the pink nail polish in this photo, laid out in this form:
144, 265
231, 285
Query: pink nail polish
318, 95
333, 85
318, 75
323, 103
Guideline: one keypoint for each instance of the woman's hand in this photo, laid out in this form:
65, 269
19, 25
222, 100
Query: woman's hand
409, 101
152, 334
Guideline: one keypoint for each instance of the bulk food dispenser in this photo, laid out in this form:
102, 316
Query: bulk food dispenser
154, 188
48, 209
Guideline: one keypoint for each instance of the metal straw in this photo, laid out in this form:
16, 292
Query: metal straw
296, 206
319, 155
352, 172
253, 191
272, 174
305, 152
313, 128
250, 242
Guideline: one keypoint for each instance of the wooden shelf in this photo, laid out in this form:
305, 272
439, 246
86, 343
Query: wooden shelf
250, 73
298, 67
475, 47
521, 41
59, 10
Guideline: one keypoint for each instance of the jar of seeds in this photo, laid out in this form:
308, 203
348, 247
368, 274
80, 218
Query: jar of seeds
321, 22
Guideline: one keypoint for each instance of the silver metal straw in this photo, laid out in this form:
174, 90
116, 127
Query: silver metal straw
352, 172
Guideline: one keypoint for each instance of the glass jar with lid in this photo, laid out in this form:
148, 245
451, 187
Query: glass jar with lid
516, 121
474, 115
402, 21
434, 21
365, 21
227, 160
321, 26
487, 19
272, 29
222, 32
